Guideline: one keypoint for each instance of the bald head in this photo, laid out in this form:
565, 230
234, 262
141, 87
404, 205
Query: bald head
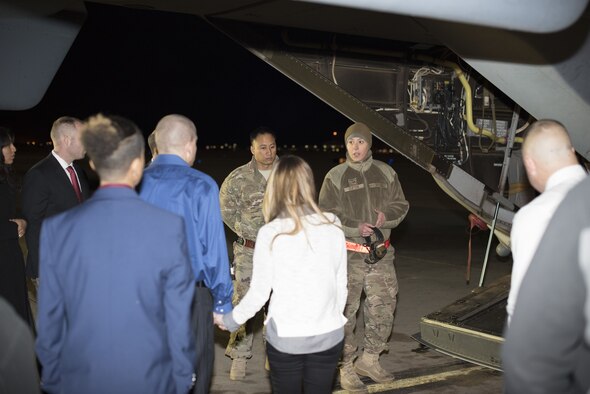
177, 135
547, 148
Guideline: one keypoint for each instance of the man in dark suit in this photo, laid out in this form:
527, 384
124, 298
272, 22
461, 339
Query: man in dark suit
53, 185
115, 282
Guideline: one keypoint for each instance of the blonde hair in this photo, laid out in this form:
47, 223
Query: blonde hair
291, 193
61, 126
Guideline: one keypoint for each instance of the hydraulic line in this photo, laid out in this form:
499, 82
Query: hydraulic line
468, 98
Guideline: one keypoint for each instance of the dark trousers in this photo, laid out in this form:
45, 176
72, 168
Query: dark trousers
313, 372
203, 325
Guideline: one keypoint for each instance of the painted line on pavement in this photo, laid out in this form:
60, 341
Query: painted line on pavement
418, 380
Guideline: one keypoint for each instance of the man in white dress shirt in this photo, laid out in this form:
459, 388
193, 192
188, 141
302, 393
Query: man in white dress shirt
553, 169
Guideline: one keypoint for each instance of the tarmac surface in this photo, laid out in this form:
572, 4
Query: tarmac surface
431, 253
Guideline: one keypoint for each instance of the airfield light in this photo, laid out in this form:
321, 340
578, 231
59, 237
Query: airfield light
334, 133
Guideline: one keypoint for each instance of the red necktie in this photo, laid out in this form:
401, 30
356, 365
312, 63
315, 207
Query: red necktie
74, 180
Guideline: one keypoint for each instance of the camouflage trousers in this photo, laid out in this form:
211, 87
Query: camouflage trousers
240, 341
379, 283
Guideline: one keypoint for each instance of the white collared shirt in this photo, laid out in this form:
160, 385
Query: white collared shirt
530, 223
65, 165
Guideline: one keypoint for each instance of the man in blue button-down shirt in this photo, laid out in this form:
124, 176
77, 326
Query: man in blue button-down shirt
170, 183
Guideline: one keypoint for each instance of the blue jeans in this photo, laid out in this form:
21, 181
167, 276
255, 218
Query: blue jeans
312, 373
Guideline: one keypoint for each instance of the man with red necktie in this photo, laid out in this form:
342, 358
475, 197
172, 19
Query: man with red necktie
53, 185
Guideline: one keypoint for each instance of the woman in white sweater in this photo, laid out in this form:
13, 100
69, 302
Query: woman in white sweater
300, 256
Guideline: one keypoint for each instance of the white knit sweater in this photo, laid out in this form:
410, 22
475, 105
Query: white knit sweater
306, 273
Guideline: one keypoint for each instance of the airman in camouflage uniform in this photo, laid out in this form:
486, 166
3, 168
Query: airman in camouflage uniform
241, 197
365, 194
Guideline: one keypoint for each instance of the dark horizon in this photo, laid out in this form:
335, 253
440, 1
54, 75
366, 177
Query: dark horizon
146, 64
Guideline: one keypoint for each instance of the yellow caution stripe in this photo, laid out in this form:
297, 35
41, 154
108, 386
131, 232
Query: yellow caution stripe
419, 380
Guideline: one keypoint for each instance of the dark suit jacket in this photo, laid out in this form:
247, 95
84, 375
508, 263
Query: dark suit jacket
115, 296
47, 190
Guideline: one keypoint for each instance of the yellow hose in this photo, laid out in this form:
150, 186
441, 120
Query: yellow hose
468, 99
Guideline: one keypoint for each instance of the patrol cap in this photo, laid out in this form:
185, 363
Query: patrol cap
359, 130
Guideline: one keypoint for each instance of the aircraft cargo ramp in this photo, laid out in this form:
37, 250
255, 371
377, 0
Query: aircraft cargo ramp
471, 327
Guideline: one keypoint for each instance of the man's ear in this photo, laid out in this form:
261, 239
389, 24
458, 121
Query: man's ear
136, 169
252, 149
529, 165
92, 165
188, 151
191, 149
138, 162
67, 140
533, 173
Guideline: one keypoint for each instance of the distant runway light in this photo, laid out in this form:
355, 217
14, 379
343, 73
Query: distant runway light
334, 133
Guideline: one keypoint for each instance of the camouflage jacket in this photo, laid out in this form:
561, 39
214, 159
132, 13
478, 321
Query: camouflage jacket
353, 190
240, 197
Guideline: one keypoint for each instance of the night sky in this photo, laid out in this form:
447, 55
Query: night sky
146, 64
